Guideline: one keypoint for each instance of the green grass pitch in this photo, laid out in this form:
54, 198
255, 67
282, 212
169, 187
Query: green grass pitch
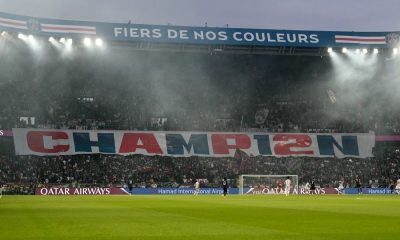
200, 217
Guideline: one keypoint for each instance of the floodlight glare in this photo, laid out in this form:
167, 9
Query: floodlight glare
358, 50
30, 37
69, 41
344, 50
62, 40
20, 35
395, 50
330, 50
87, 42
376, 50
3, 33
99, 42
51, 39
365, 51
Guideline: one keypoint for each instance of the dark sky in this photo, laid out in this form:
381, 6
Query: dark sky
346, 15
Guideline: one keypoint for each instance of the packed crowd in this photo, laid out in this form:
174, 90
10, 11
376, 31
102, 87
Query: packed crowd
188, 91
391, 161
156, 171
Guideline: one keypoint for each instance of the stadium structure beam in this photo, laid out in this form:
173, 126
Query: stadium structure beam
217, 49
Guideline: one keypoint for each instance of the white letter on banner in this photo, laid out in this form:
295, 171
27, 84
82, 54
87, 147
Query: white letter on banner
211, 35
260, 37
303, 38
248, 37
222, 36
280, 37
156, 33
43, 191
144, 32
183, 34
198, 35
235, 36
172, 33
269, 38
293, 40
117, 31
133, 32
314, 38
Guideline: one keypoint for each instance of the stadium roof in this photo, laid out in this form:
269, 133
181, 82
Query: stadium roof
213, 38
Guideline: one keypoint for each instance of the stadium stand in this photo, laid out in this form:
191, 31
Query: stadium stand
129, 89
197, 94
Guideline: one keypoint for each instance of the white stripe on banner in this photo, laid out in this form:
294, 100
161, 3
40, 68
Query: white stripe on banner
359, 37
360, 40
5, 22
68, 29
357, 42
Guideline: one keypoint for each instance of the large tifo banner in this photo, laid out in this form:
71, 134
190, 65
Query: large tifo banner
183, 144
195, 35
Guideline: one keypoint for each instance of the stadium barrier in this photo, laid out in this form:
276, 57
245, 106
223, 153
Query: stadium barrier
203, 191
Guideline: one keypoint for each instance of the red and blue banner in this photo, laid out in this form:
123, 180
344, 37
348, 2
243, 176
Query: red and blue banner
195, 35
43, 142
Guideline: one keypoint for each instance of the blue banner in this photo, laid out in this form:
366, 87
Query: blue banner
368, 191
196, 35
180, 191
